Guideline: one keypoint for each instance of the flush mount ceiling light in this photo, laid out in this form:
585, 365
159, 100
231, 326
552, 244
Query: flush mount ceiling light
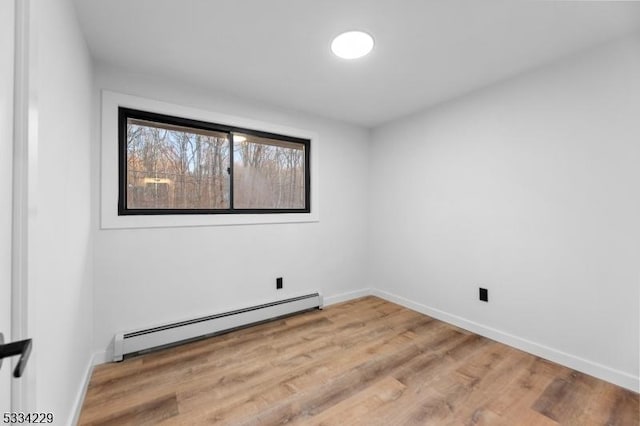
352, 44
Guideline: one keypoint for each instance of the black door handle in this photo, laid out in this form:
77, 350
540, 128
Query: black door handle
22, 348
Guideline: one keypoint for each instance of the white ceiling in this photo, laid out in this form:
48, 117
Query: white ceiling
277, 51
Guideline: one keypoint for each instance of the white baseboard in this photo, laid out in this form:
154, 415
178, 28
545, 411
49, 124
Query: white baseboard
343, 297
79, 399
600, 371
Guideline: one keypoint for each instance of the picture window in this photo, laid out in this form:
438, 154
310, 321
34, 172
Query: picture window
173, 165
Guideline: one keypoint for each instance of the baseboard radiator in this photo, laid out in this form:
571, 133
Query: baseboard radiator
138, 341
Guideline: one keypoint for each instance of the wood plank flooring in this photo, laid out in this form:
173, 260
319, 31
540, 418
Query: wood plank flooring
363, 362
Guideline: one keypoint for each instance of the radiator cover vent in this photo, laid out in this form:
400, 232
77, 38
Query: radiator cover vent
132, 342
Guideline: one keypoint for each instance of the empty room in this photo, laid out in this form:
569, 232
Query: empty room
348, 212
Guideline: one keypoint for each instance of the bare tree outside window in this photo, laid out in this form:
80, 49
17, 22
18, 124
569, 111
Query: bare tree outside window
172, 167
268, 173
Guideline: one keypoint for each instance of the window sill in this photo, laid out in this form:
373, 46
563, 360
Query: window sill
172, 221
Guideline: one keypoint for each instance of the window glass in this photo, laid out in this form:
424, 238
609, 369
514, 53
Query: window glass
268, 173
173, 167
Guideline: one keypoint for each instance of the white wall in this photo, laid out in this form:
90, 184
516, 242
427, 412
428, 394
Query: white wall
145, 277
60, 277
530, 188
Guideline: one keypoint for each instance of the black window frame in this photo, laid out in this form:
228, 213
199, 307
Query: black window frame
125, 113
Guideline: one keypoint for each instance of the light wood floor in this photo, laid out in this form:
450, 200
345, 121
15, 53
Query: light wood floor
366, 362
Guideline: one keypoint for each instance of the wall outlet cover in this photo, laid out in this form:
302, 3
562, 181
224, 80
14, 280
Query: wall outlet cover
484, 294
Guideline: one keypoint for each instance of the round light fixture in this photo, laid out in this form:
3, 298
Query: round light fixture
352, 44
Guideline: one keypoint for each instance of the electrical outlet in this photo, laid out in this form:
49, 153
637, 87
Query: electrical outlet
278, 283
484, 294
